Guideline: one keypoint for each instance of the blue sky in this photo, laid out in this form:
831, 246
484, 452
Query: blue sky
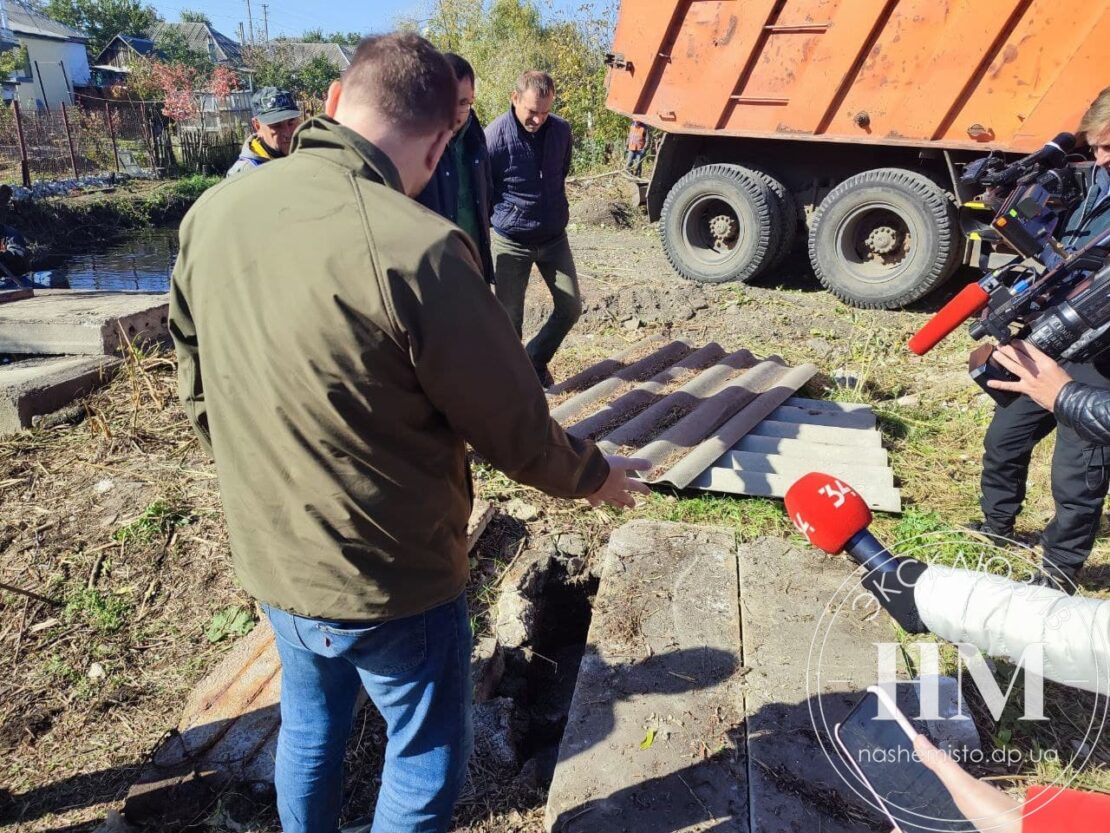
292, 17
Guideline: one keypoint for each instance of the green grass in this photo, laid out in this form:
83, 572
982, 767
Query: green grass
157, 521
104, 614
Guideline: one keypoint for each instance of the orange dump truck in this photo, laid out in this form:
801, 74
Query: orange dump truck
846, 119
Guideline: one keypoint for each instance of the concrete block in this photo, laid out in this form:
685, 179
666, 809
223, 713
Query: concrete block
57, 322
41, 386
783, 597
654, 740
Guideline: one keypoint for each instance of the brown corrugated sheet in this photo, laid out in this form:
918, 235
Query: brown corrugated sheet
679, 406
719, 421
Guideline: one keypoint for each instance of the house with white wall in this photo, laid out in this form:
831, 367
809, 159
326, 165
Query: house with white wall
56, 59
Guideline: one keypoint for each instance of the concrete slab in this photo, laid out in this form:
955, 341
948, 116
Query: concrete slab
39, 386
784, 592
61, 322
654, 742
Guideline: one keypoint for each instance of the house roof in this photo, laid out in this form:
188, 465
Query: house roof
23, 21
300, 53
198, 36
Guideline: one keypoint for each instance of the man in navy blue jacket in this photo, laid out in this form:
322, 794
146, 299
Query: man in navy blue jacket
461, 188
530, 153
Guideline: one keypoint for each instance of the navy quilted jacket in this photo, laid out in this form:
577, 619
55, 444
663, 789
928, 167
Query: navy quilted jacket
529, 178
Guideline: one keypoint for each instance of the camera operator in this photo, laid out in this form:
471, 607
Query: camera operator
1079, 464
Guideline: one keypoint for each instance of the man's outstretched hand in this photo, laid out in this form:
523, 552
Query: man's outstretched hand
619, 489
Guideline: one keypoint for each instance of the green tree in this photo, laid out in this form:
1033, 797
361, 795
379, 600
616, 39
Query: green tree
190, 16
503, 38
342, 38
174, 48
102, 20
313, 78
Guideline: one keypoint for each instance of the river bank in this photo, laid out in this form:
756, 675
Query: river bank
58, 227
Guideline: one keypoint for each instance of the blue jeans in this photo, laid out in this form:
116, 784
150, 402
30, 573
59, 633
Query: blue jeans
417, 672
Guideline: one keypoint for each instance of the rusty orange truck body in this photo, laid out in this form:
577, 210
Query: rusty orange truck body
772, 108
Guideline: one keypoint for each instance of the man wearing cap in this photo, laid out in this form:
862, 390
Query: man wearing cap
276, 118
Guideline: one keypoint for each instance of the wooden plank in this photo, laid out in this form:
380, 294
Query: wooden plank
760, 484
819, 434
811, 451
9, 295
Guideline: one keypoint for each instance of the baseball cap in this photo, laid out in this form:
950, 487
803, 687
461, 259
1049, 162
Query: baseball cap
271, 105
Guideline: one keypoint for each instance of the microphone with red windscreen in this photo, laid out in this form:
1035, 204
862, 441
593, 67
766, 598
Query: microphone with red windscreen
834, 518
971, 300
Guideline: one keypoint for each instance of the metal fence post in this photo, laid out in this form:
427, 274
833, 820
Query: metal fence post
112, 133
24, 163
69, 140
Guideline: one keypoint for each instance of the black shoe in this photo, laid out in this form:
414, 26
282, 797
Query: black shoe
1065, 579
545, 377
998, 534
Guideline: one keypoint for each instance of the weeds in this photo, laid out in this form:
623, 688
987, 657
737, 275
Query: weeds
158, 520
230, 622
104, 614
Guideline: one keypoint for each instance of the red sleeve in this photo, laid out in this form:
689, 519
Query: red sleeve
1053, 810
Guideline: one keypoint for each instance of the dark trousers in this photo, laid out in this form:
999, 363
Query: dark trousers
1079, 476
513, 268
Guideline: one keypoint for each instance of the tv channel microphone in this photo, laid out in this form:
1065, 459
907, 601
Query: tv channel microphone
834, 518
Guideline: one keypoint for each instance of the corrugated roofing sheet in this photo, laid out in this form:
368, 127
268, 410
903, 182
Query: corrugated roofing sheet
730, 422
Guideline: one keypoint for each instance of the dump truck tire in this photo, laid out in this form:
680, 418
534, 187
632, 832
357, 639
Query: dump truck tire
884, 238
718, 224
786, 220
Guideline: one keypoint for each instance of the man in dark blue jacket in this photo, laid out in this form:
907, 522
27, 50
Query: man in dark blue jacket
461, 188
530, 153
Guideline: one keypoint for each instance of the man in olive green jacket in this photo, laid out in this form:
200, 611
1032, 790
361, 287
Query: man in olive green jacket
338, 347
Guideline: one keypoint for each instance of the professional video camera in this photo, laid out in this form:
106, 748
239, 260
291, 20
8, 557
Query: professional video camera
1058, 300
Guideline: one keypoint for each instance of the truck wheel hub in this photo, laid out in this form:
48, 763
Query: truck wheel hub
724, 230
883, 240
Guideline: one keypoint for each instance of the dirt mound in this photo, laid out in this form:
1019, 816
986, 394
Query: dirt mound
631, 307
601, 211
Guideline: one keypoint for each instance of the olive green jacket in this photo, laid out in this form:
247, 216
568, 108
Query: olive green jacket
338, 347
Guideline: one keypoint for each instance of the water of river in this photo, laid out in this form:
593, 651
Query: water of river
141, 263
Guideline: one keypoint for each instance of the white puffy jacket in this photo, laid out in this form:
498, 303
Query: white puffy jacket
1002, 618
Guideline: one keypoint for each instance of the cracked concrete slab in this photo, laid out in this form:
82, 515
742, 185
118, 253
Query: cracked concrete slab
654, 741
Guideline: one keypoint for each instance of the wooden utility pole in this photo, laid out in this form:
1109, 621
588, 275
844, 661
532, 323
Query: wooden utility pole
250, 21
24, 162
266, 22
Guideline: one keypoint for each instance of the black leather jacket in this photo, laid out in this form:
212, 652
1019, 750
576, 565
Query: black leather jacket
1086, 410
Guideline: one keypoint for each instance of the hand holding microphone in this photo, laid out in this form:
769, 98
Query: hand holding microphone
834, 518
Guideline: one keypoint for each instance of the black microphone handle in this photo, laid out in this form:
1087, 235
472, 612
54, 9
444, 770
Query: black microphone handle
889, 579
